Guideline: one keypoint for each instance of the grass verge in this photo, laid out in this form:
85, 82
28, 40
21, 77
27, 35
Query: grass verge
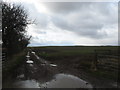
10, 66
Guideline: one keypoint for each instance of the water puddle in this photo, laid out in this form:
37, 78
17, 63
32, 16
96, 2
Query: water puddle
66, 81
26, 84
29, 61
33, 52
27, 56
37, 56
59, 81
20, 76
53, 65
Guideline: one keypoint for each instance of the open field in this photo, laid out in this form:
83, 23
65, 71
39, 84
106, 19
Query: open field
75, 59
64, 51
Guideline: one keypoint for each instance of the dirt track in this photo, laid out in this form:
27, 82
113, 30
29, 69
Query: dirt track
44, 72
41, 71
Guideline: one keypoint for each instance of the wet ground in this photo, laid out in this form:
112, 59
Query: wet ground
44, 74
39, 73
58, 81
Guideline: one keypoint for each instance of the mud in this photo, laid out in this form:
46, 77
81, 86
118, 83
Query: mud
55, 74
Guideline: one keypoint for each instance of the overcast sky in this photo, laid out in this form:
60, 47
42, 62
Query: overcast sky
72, 23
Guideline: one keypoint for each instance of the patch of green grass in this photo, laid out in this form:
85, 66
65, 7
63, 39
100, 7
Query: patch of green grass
103, 73
71, 50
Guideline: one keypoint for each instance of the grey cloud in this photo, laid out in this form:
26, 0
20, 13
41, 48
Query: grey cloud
84, 27
41, 19
38, 41
88, 18
67, 7
62, 7
61, 23
38, 29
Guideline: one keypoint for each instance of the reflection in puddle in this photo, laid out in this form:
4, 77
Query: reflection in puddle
66, 81
21, 76
29, 61
60, 81
33, 52
53, 65
27, 56
26, 84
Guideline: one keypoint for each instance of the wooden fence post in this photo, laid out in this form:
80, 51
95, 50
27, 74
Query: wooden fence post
94, 64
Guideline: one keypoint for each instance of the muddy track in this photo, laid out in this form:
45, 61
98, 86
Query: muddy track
42, 71
96, 82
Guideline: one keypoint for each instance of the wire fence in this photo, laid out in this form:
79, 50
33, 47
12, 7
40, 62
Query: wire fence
106, 59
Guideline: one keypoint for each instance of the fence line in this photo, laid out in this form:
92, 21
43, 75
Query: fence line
107, 62
107, 56
104, 59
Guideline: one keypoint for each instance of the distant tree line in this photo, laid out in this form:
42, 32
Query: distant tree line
14, 23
